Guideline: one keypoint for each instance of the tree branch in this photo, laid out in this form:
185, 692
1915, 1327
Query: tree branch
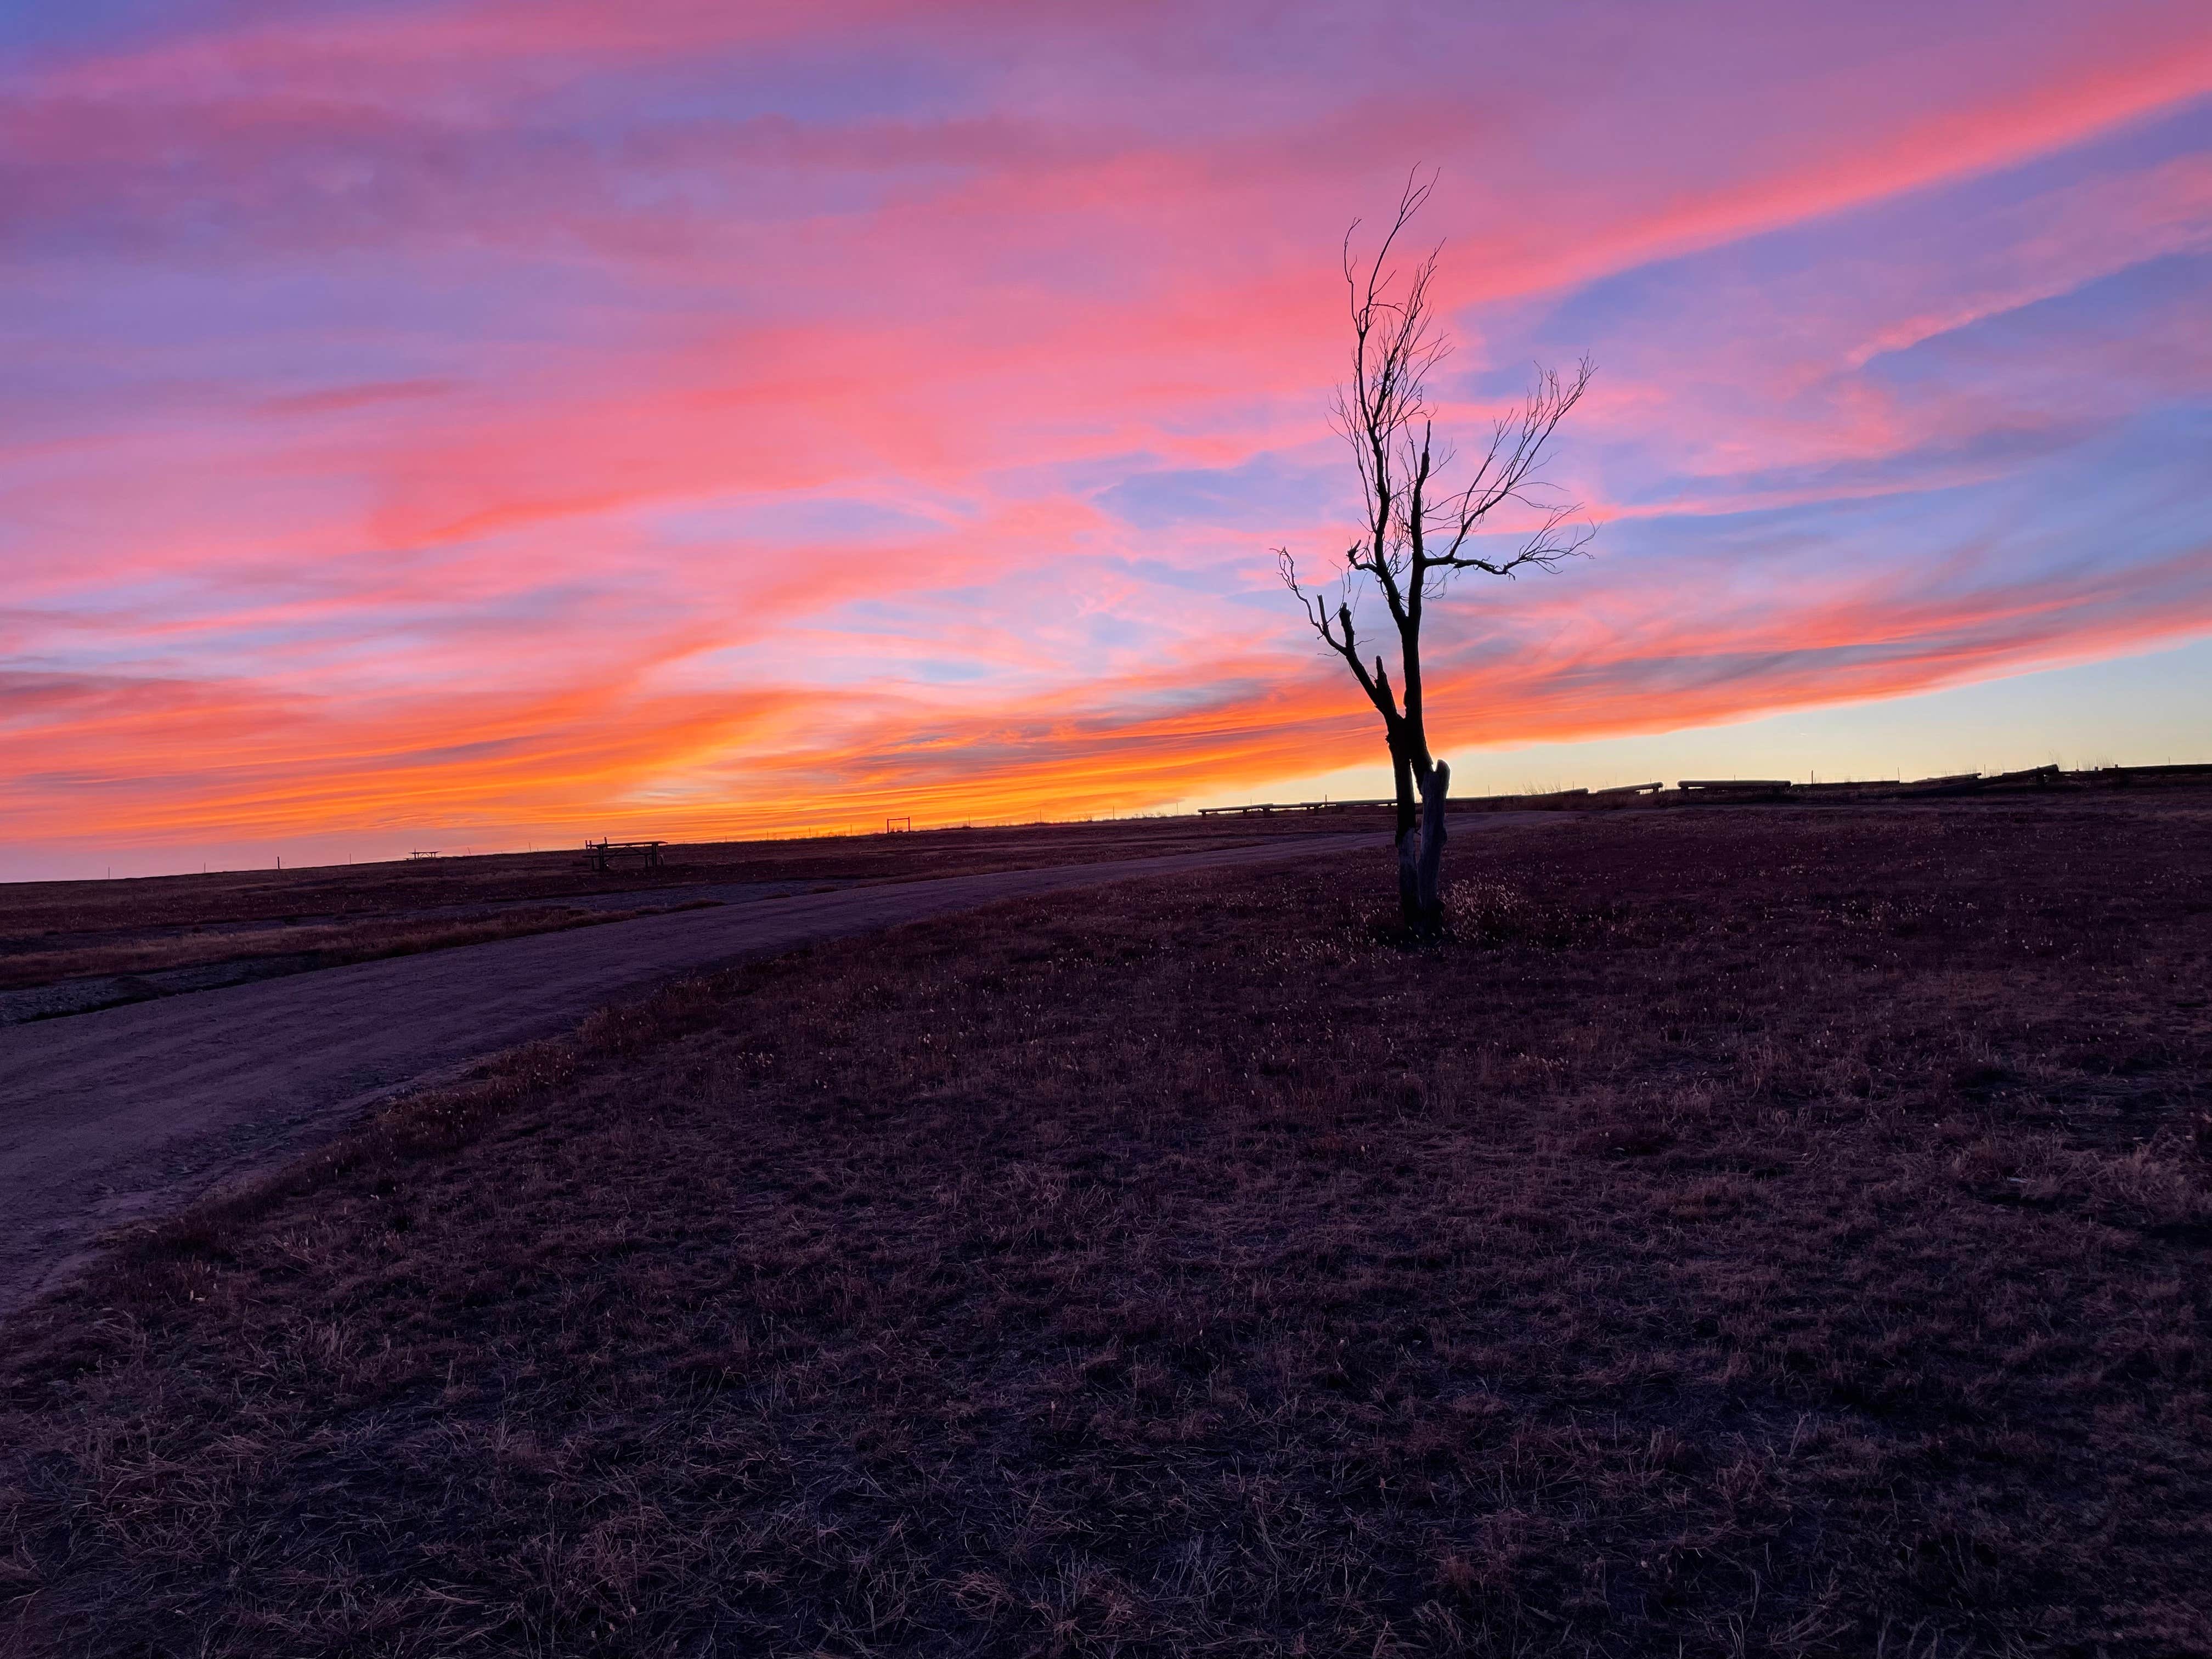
1508, 474
1420, 532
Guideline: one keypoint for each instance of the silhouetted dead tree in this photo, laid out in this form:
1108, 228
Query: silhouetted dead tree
1423, 528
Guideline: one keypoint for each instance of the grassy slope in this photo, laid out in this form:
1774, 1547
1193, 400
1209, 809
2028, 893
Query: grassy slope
85, 909
1757, 1233
327, 946
59, 930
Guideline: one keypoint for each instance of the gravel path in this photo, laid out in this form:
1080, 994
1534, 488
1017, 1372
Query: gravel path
112, 1116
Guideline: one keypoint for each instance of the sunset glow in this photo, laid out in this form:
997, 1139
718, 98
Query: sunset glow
501, 419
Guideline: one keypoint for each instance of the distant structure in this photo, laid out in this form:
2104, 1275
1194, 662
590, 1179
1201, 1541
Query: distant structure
1689, 791
601, 856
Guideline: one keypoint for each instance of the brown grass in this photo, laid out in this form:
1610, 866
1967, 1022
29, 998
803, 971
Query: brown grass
53, 931
31, 910
1755, 1233
328, 946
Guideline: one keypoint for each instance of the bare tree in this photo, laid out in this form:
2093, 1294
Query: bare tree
1423, 527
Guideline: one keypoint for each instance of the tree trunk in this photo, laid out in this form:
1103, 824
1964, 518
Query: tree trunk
1434, 789
1409, 882
1428, 870
1421, 849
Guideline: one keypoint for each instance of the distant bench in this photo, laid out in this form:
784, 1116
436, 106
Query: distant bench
602, 855
1734, 788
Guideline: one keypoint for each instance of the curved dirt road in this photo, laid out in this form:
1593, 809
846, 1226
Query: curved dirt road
107, 1117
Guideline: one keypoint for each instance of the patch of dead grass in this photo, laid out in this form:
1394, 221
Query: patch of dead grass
326, 946
1758, 1235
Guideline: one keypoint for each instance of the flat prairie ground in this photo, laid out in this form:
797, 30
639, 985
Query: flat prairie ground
280, 921
1751, 1231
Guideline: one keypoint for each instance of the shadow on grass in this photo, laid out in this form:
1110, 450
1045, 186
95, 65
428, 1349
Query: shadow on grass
1752, 1235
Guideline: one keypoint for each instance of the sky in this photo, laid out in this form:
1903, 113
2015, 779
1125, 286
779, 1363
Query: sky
495, 422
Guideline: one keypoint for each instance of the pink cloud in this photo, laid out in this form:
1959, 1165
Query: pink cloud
402, 389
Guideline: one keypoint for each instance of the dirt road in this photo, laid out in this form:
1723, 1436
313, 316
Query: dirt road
108, 1117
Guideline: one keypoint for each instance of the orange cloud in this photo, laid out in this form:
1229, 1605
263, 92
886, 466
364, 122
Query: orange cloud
738, 419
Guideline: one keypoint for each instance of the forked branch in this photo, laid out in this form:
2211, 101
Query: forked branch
1508, 473
1421, 529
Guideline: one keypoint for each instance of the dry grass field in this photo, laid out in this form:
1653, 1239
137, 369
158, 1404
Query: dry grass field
1758, 1231
296, 920
328, 944
411, 887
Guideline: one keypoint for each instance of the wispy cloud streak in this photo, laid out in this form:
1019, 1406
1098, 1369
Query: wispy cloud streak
557, 416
